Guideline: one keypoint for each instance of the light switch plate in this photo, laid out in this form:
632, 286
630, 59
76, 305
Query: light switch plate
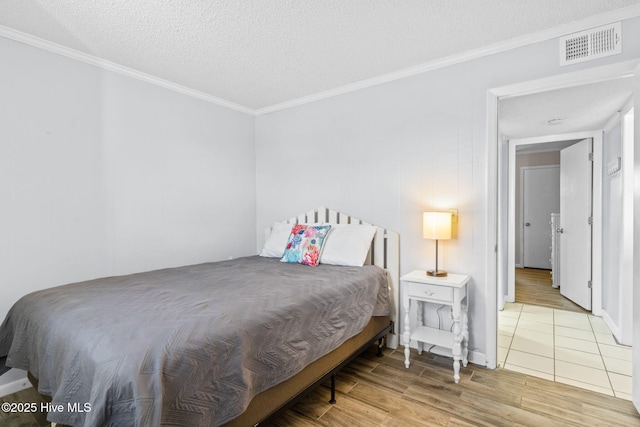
454, 215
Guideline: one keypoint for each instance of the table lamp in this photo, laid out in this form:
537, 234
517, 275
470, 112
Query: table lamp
436, 225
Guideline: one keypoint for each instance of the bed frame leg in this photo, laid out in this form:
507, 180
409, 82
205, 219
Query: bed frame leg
333, 389
379, 354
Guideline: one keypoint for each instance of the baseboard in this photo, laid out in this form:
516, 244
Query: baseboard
478, 358
392, 341
14, 386
612, 326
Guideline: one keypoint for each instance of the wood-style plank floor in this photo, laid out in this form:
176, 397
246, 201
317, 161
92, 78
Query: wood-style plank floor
375, 391
533, 286
23, 419
381, 392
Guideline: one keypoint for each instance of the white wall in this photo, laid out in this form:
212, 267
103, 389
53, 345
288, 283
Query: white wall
101, 175
611, 226
386, 153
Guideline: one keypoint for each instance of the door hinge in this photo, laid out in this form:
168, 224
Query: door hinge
589, 284
590, 220
591, 157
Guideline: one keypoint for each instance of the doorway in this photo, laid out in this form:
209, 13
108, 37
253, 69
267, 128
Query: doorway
498, 270
544, 334
555, 185
550, 149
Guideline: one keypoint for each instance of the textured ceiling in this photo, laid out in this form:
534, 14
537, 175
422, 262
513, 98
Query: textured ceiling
259, 53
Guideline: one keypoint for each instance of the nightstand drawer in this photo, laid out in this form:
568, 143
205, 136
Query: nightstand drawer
426, 292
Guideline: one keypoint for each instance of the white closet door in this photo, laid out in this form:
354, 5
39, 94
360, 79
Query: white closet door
541, 197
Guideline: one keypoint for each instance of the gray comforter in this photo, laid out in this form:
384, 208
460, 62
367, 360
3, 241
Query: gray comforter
184, 346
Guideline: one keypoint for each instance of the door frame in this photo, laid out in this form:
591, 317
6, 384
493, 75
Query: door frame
521, 225
625, 336
596, 244
497, 248
636, 245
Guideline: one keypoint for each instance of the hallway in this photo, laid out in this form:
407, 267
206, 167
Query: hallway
563, 346
533, 286
546, 335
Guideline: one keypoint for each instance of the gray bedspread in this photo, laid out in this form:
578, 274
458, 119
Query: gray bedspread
184, 346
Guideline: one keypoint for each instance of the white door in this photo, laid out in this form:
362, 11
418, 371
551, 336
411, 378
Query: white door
540, 198
575, 222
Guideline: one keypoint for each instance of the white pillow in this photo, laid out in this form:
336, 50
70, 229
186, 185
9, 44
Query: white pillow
347, 244
276, 243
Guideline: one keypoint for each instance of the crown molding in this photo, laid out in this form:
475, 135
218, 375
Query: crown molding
502, 46
593, 21
28, 39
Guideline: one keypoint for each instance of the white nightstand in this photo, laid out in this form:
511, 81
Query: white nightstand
450, 290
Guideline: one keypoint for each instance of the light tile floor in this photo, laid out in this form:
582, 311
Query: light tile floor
572, 348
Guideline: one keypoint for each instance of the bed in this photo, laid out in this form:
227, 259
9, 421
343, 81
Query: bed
224, 343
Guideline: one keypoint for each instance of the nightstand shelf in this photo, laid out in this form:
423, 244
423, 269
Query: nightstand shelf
435, 336
451, 290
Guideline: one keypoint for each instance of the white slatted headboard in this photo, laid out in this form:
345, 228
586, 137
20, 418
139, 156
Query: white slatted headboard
384, 253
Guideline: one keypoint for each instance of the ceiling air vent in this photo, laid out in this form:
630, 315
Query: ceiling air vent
591, 44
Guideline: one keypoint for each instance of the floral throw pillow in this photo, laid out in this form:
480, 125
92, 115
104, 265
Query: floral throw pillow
305, 243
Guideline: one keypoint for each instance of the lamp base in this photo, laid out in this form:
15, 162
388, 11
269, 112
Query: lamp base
437, 273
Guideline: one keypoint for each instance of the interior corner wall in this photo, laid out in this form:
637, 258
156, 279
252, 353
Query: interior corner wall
102, 174
386, 153
548, 158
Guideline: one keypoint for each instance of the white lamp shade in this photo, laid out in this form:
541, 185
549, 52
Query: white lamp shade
436, 225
